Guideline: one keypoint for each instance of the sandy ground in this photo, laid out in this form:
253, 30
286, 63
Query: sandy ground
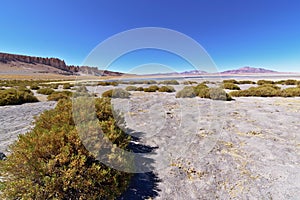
198, 148
17, 120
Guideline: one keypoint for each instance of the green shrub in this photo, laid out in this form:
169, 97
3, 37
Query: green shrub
34, 87
152, 88
287, 82
50, 162
169, 82
246, 82
201, 89
149, 82
219, 94
54, 86
186, 92
131, 88
230, 81
67, 86
166, 89
263, 82
139, 89
189, 82
45, 91
55, 96
81, 88
116, 93
15, 97
108, 83
291, 92
230, 86
260, 91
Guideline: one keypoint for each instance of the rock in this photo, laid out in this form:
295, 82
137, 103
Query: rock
2, 156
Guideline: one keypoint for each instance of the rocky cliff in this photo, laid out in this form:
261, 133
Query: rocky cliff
56, 63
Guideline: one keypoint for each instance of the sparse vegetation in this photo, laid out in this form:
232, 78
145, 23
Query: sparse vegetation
131, 88
186, 92
246, 82
152, 88
287, 82
57, 95
230, 81
50, 162
45, 91
230, 86
189, 82
108, 83
34, 87
265, 90
264, 82
67, 86
169, 82
15, 96
139, 89
116, 93
166, 89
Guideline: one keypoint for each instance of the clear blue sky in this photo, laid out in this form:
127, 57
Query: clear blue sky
236, 33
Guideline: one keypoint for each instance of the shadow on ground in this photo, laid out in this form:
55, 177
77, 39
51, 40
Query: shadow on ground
143, 185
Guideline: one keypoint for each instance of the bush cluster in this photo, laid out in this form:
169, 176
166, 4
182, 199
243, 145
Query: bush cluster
264, 82
189, 82
238, 82
169, 82
267, 91
45, 91
116, 93
168, 89
131, 88
57, 95
203, 91
287, 82
230, 86
108, 83
50, 162
152, 88
67, 86
34, 87
17, 96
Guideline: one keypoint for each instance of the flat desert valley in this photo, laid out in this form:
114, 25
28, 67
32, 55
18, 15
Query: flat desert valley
248, 148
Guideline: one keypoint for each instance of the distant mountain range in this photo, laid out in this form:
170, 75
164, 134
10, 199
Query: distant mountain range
30, 64
248, 70
243, 70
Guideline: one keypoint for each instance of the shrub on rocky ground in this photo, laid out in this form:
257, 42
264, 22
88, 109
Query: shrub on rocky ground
290, 92
116, 93
189, 82
45, 91
15, 96
34, 87
139, 89
218, 94
264, 82
230, 86
108, 83
51, 162
57, 95
152, 88
260, 91
231, 81
166, 89
186, 92
67, 86
287, 82
131, 88
246, 82
169, 82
